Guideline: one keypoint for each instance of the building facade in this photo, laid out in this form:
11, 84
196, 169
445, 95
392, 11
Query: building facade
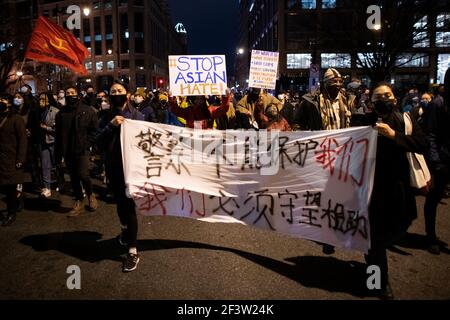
332, 33
127, 39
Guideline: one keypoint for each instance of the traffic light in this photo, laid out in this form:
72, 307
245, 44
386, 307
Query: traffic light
161, 81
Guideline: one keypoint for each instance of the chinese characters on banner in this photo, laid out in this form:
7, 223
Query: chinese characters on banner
263, 69
314, 185
195, 75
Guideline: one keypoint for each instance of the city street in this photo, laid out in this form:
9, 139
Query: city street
188, 259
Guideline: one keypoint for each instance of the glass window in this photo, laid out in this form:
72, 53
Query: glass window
108, 32
328, 4
140, 80
124, 41
443, 65
99, 65
441, 20
125, 64
88, 66
140, 64
336, 60
421, 40
443, 39
87, 32
299, 60
365, 59
290, 4
139, 32
308, 4
97, 36
407, 60
107, 4
110, 65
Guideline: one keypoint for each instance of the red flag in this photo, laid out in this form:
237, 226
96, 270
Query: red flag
52, 43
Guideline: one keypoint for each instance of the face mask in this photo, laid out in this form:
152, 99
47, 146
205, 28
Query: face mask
333, 91
383, 107
71, 100
18, 102
3, 107
23, 89
424, 103
138, 100
118, 100
104, 105
61, 95
90, 94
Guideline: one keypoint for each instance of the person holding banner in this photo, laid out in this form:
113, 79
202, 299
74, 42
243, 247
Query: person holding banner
108, 140
393, 205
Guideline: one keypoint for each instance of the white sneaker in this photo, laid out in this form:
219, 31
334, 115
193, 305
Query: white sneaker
46, 193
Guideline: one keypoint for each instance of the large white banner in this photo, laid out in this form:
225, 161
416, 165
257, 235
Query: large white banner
195, 75
263, 69
314, 185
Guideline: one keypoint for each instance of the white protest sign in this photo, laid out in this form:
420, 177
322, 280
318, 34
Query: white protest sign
263, 69
193, 75
314, 185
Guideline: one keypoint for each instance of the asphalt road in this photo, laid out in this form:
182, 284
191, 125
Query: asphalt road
188, 259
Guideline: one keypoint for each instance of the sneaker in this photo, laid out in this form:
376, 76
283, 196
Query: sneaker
46, 193
130, 263
77, 209
92, 203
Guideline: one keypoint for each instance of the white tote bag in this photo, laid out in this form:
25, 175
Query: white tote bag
420, 176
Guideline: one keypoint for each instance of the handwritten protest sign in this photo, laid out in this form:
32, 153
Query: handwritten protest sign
314, 185
193, 75
263, 69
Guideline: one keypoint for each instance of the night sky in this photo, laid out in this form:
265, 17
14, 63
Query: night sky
212, 26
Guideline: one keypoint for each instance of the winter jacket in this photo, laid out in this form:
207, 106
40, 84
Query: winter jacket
13, 148
48, 117
75, 131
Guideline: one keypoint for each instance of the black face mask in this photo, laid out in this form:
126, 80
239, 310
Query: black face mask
117, 101
71, 100
383, 107
3, 107
333, 91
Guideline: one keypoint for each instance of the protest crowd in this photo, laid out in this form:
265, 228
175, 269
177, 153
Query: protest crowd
75, 134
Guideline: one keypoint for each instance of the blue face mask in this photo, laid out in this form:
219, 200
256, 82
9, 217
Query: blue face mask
424, 103
18, 101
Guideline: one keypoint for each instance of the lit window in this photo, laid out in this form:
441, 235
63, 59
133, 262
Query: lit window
99, 66
308, 4
443, 39
110, 65
365, 59
328, 4
421, 40
336, 60
88, 66
443, 65
409, 60
441, 19
299, 60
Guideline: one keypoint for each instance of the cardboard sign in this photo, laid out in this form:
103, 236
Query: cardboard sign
263, 69
195, 75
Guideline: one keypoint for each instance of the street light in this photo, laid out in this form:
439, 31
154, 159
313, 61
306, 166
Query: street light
240, 51
19, 74
109, 51
86, 11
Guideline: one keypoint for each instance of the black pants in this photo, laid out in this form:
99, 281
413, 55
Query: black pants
126, 209
78, 167
11, 198
440, 179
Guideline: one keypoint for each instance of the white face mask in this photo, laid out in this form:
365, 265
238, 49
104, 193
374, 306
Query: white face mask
104, 105
18, 102
61, 95
23, 89
138, 100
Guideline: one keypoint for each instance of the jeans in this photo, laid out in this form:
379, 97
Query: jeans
48, 163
